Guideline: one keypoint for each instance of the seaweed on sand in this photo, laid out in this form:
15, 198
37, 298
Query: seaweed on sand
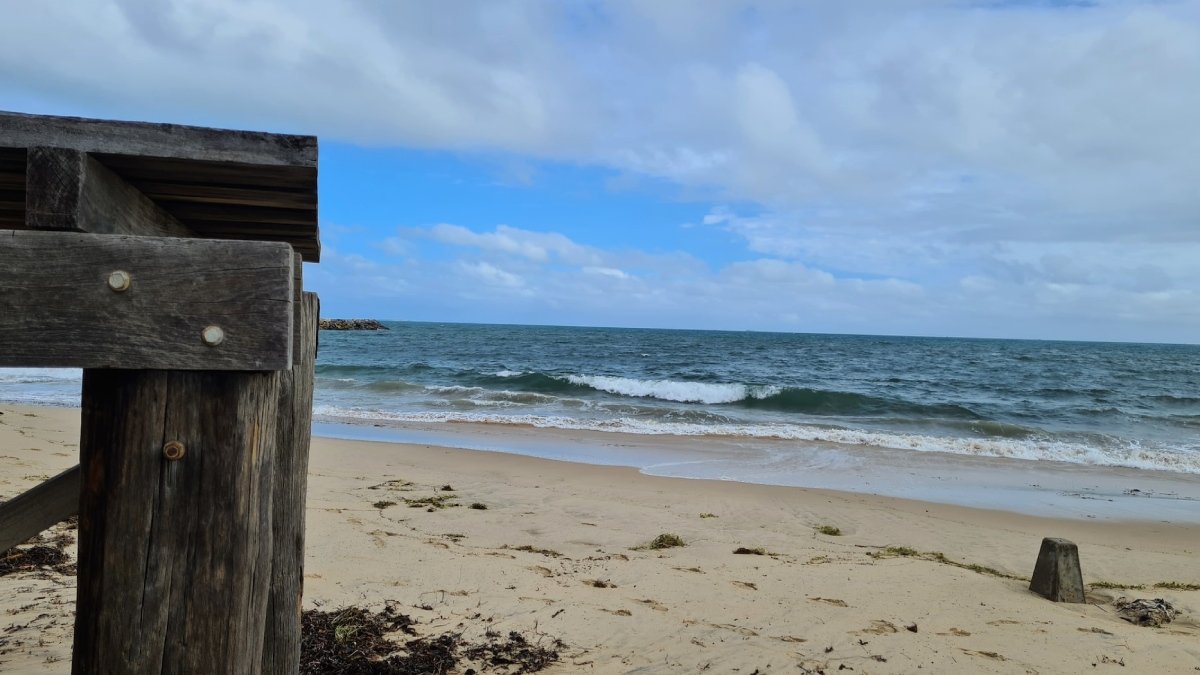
355, 641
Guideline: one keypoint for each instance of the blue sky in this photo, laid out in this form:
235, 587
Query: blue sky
1003, 169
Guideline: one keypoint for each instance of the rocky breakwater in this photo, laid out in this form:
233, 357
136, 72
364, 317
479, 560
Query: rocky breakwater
352, 324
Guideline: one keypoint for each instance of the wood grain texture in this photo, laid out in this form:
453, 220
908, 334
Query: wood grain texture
70, 190
157, 140
174, 556
38, 509
56, 308
281, 645
212, 181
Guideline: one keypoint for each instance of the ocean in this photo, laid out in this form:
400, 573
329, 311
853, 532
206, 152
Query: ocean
1102, 404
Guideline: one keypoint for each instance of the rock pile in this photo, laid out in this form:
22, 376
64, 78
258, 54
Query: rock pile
352, 324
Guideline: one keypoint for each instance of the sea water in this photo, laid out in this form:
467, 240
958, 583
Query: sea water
1102, 404
1131, 405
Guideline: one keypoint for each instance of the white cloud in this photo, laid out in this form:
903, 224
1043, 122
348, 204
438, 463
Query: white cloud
978, 161
606, 271
489, 274
537, 246
1087, 112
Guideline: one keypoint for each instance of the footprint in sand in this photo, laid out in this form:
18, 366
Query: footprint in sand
745, 584
544, 571
956, 632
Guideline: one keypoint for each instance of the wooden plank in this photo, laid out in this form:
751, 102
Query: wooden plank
220, 194
174, 555
58, 309
137, 169
40, 508
281, 645
231, 201
310, 249
157, 140
69, 190
239, 214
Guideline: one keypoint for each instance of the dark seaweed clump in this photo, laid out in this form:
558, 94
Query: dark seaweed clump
34, 558
42, 552
354, 641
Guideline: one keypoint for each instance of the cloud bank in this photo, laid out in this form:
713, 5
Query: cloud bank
971, 163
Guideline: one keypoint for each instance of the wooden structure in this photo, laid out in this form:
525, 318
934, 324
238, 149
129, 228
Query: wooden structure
165, 261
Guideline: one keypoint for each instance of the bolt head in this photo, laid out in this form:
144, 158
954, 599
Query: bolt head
119, 281
174, 450
213, 335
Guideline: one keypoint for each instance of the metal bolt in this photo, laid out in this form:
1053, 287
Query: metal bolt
213, 336
174, 450
119, 281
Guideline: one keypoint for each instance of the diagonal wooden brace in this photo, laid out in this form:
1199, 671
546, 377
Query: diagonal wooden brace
39, 508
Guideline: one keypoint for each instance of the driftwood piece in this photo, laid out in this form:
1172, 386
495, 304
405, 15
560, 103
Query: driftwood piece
174, 554
105, 301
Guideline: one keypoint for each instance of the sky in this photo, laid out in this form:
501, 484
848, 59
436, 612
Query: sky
1024, 169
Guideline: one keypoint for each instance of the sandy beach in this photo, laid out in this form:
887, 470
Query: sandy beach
558, 550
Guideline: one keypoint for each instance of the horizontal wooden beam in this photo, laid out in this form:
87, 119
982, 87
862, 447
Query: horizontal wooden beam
70, 299
157, 140
40, 508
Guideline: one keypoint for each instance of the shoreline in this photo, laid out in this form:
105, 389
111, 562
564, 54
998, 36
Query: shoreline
1032, 487
560, 551
1043, 487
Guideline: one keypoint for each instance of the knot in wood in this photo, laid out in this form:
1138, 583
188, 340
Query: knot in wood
119, 281
174, 450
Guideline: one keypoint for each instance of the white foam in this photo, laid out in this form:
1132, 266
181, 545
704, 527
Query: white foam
509, 373
673, 390
39, 375
1132, 455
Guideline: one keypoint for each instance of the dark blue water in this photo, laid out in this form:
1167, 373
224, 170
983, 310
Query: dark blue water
1095, 403
1108, 404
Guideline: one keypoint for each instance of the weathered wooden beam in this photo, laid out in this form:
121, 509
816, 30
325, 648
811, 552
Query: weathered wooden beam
157, 140
39, 508
175, 521
220, 194
69, 190
281, 647
111, 301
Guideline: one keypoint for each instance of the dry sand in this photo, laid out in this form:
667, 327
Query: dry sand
815, 602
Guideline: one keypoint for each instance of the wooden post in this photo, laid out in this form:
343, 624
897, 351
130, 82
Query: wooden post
109, 266
175, 521
281, 646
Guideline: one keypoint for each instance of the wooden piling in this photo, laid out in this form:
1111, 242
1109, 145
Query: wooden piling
281, 647
191, 350
174, 554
